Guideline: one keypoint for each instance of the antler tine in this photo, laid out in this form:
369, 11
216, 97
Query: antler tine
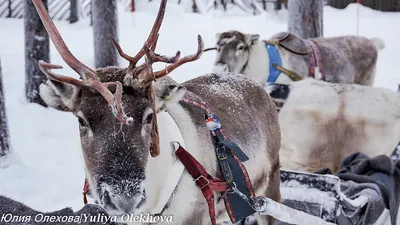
153, 36
154, 45
46, 69
183, 60
90, 78
152, 57
84, 71
119, 49
113, 100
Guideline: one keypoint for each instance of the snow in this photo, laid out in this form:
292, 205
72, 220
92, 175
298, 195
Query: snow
46, 170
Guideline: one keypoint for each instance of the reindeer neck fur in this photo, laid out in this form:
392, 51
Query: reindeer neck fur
258, 65
164, 171
175, 123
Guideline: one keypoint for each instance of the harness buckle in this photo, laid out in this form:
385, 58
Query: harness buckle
221, 154
204, 178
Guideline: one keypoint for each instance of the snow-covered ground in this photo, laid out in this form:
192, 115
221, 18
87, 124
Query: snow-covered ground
47, 171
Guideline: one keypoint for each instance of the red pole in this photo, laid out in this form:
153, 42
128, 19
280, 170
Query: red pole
132, 5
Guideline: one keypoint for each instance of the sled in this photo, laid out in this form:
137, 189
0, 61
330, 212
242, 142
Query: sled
321, 196
322, 199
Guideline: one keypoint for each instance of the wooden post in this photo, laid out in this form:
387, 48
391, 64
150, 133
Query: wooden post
306, 18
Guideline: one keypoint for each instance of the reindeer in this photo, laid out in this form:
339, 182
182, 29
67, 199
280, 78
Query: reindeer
322, 123
345, 59
129, 163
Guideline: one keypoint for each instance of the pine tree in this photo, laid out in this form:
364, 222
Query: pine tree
104, 23
4, 134
306, 18
36, 48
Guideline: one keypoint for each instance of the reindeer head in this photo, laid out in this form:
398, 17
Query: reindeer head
115, 144
233, 49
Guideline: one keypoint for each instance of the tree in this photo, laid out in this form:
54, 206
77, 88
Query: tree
4, 134
279, 4
9, 9
36, 48
73, 16
104, 23
306, 18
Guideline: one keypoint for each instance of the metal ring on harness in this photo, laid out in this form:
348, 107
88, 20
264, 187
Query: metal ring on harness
234, 188
259, 204
174, 149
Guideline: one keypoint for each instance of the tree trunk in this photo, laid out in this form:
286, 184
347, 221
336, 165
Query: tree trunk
9, 9
4, 134
306, 18
194, 7
36, 48
105, 23
73, 16
264, 4
279, 4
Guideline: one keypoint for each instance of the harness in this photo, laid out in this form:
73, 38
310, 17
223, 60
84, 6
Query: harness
315, 61
232, 176
275, 62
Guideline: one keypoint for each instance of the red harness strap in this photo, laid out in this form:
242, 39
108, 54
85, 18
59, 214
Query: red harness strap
203, 180
315, 60
85, 191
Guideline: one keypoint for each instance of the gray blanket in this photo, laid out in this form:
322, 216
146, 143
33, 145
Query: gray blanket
378, 179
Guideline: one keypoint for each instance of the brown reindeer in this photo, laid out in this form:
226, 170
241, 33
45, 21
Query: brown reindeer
120, 145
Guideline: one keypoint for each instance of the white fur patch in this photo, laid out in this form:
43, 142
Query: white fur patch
258, 65
312, 104
163, 172
220, 68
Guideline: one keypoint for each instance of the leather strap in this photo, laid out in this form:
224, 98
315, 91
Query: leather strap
203, 180
315, 60
85, 191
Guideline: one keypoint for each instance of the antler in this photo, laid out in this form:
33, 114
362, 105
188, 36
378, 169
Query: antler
89, 77
144, 73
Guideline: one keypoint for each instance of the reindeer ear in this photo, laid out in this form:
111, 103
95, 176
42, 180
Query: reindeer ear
60, 96
172, 94
252, 39
217, 35
168, 92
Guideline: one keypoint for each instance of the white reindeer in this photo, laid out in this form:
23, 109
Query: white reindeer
322, 123
125, 168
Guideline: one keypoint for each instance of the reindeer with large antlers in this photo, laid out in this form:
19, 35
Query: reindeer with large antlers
130, 166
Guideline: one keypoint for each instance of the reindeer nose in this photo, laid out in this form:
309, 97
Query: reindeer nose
123, 204
220, 67
107, 201
126, 205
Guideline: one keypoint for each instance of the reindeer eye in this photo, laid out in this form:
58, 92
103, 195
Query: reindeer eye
149, 118
241, 47
81, 122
